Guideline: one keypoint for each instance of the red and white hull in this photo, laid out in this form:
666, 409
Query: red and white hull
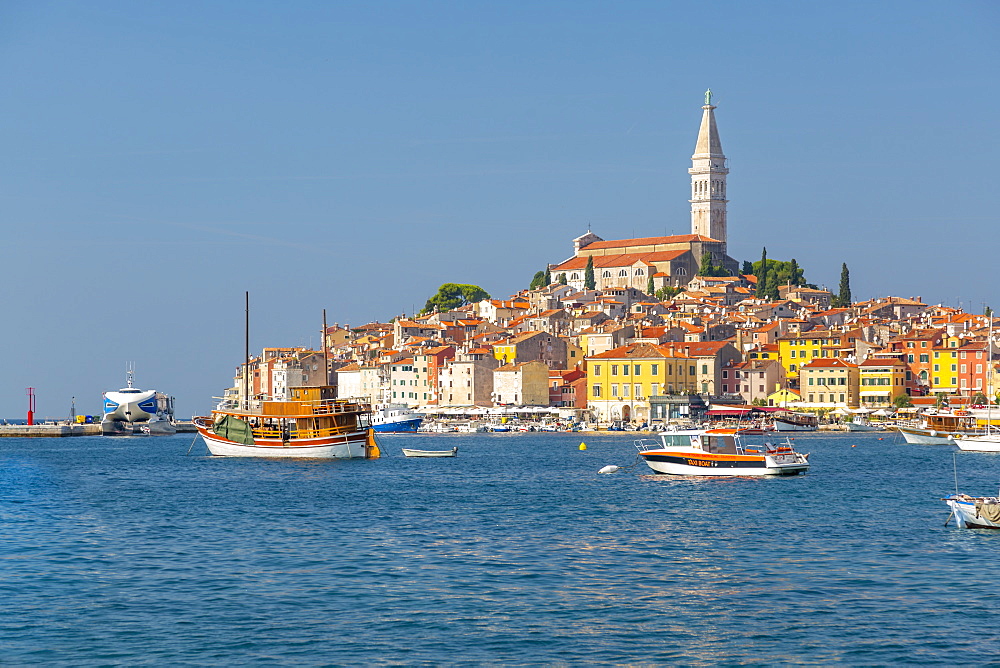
346, 446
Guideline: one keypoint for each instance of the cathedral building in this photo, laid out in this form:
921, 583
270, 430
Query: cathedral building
672, 260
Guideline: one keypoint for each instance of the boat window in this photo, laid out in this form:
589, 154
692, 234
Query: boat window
676, 440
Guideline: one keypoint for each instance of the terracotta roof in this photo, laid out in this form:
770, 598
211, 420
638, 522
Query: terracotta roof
647, 241
623, 260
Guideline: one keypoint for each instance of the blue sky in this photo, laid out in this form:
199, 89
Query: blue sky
161, 158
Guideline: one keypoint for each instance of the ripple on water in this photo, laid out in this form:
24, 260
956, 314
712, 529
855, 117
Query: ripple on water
127, 551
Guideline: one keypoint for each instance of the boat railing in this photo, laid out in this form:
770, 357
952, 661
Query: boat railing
643, 444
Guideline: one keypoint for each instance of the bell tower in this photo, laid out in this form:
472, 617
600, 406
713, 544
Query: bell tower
708, 178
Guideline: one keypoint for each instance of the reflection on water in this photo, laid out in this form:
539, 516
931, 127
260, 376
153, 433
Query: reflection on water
516, 551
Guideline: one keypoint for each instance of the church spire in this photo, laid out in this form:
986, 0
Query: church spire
708, 144
708, 178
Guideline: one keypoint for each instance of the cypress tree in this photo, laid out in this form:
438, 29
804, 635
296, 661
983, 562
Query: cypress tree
548, 277
588, 275
795, 274
844, 297
650, 289
761, 291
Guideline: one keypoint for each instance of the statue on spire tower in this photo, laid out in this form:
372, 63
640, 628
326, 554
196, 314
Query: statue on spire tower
708, 97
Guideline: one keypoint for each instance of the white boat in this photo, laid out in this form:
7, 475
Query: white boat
395, 418
861, 425
989, 441
130, 410
940, 428
410, 452
796, 422
719, 452
974, 512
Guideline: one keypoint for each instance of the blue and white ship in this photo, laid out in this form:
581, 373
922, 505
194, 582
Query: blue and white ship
131, 410
395, 418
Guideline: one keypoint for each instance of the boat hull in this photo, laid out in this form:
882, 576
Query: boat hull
703, 464
781, 425
348, 446
399, 427
409, 452
918, 436
984, 443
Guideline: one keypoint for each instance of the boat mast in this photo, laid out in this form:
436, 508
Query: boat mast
326, 355
246, 354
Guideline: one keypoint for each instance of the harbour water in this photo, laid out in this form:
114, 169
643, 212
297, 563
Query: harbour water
127, 552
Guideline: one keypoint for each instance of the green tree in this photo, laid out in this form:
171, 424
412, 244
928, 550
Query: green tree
537, 281
988, 312
548, 276
588, 275
979, 399
650, 288
747, 267
760, 271
667, 292
562, 279
902, 401
843, 298
454, 295
709, 269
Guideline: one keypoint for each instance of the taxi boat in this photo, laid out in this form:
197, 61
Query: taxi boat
719, 452
333, 428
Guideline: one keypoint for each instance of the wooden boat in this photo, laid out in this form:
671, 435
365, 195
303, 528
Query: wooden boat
719, 452
334, 428
940, 428
410, 452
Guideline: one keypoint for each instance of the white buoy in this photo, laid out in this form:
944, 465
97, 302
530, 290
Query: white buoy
610, 468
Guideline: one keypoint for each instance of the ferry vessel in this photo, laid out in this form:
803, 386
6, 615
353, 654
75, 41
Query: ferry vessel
719, 452
131, 409
332, 428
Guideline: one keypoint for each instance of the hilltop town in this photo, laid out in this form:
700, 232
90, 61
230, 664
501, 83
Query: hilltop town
651, 329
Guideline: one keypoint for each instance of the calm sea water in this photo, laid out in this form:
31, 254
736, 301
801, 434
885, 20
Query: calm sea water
126, 551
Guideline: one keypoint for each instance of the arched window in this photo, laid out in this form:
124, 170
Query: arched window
639, 272
623, 272
681, 271
575, 276
606, 274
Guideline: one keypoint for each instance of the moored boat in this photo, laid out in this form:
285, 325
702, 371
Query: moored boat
395, 418
410, 452
940, 428
796, 422
861, 425
719, 452
130, 410
333, 428
974, 512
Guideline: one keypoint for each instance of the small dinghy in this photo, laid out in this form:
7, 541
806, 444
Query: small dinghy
409, 452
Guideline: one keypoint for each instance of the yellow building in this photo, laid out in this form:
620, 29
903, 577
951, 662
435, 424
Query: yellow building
829, 383
799, 348
882, 380
943, 374
620, 381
